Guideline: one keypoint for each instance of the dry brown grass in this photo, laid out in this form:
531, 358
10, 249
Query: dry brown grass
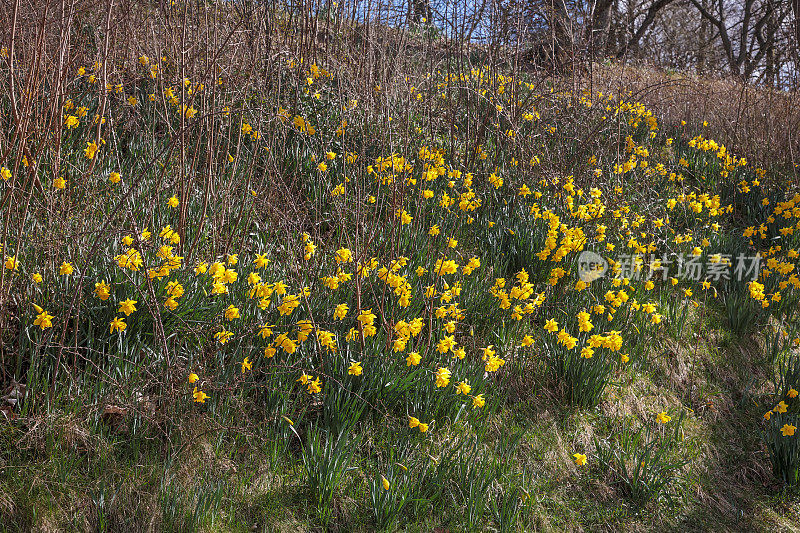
760, 124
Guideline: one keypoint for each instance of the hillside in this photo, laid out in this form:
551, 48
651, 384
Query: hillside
280, 273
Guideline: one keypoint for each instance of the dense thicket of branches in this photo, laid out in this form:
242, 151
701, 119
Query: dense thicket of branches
754, 40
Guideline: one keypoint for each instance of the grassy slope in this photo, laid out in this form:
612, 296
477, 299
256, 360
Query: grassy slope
68, 475
67, 467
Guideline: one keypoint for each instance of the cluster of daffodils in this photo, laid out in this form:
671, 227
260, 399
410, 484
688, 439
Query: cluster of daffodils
441, 266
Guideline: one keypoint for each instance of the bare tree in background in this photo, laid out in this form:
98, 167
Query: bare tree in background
754, 40
744, 30
638, 32
796, 8
599, 35
562, 38
420, 10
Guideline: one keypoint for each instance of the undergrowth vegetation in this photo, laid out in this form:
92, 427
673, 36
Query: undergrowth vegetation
440, 292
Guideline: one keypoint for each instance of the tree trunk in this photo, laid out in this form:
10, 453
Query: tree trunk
612, 39
420, 9
597, 35
563, 49
636, 34
702, 42
796, 8
770, 67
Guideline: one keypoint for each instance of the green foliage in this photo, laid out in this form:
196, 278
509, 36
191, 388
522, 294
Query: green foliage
326, 460
644, 462
389, 504
783, 445
784, 450
182, 511
506, 508
744, 314
583, 379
